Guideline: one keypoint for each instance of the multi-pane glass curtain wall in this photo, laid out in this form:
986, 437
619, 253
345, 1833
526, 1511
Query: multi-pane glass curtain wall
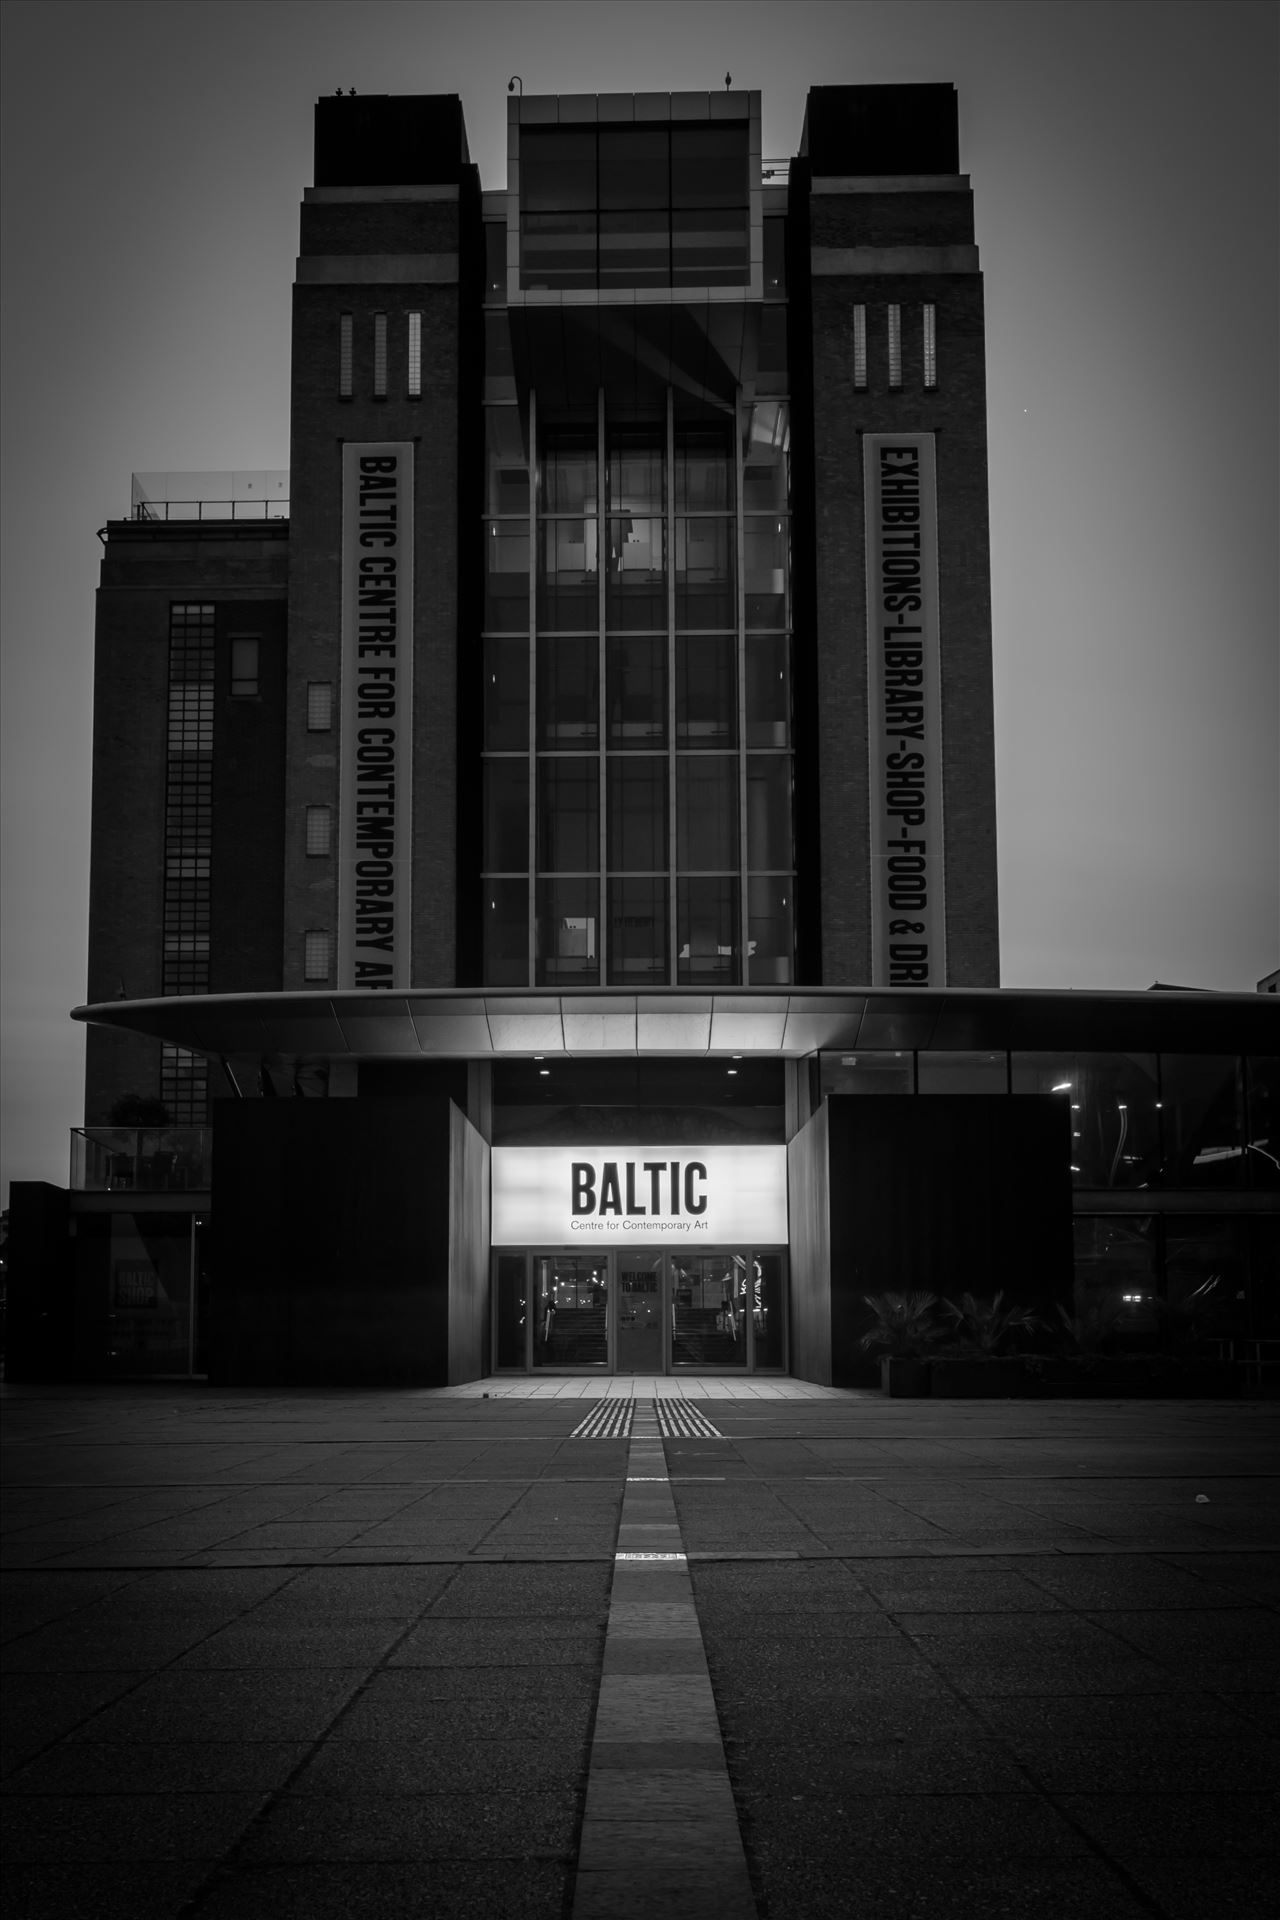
637, 729
188, 828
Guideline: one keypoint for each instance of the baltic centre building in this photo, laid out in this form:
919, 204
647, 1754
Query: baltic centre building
543, 904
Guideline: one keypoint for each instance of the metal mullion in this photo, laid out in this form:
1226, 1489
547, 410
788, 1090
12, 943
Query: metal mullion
672, 962
740, 604
602, 540
534, 478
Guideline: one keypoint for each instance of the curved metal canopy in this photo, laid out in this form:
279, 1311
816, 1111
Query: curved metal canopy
445, 1023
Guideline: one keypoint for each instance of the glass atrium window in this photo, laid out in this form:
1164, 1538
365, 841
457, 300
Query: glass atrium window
707, 932
706, 812
1113, 1097
567, 949
506, 462
1201, 1120
569, 691
506, 933
506, 693
637, 814
568, 814
319, 706
638, 940
867, 1071
636, 690
506, 815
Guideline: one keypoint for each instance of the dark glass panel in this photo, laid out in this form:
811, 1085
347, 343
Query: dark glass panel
634, 167
568, 584
706, 690
768, 690
569, 691
570, 1310
709, 249
764, 554
558, 249
769, 812
506, 816
704, 469
636, 690
868, 1071
636, 582
767, 1310
498, 363
1115, 1272
568, 950
506, 694
512, 1313
495, 259
635, 250
707, 932
506, 463
1262, 1151
506, 933
775, 257
569, 815
637, 814
770, 931
1201, 1120
1206, 1279
708, 1310
1114, 1116
569, 472
962, 1072
557, 169
637, 932
771, 365
706, 590
635, 475
506, 599
765, 476
709, 165
706, 812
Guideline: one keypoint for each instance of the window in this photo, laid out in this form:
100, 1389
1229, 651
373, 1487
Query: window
318, 829
379, 356
319, 706
860, 347
345, 325
244, 666
895, 346
930, 346
415, 356
315, 964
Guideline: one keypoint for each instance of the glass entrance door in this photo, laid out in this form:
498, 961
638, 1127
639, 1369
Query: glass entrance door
641, 1293
570, 1310
709, 1310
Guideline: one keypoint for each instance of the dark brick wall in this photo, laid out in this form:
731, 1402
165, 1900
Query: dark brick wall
832, 417
146, 567
443, 425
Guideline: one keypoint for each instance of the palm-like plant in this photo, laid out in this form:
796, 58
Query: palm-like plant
1092, 1327
984, 1326
904, 1324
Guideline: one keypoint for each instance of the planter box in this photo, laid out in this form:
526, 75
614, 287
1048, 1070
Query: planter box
1119, 1376
905, 1379
978, 1379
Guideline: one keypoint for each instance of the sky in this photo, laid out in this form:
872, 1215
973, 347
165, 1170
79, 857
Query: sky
1123, 157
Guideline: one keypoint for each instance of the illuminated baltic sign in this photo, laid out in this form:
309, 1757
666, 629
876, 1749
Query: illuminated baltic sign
904, 711
375, 822
562, 1196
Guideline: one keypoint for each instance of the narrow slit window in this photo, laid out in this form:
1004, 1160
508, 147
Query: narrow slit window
379, 356
930, 346
895, 346
319, 706
860, 347
244, 666
344, 356
318, 830
315, 954
415, 356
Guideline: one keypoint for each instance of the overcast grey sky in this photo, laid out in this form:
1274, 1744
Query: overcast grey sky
1124, 164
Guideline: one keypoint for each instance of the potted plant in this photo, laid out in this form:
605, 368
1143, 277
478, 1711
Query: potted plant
980, 1363
905, 1327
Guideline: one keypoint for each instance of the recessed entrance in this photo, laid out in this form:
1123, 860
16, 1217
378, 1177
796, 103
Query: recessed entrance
640, 1310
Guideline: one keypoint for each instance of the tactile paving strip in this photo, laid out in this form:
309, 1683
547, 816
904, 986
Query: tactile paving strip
680, 1419
608, 1420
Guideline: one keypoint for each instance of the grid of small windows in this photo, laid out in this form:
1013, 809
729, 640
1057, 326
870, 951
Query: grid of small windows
316, 948
930, 344
637, 728
379, 356
184, 1086
187, 837
895, 346
319, 706
415, 357
860, 346
318, 829
346, 333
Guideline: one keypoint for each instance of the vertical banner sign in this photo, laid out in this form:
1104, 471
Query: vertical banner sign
375, 830
904, 712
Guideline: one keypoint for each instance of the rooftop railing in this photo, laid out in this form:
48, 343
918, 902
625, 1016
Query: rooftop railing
141, 1159
210, 496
